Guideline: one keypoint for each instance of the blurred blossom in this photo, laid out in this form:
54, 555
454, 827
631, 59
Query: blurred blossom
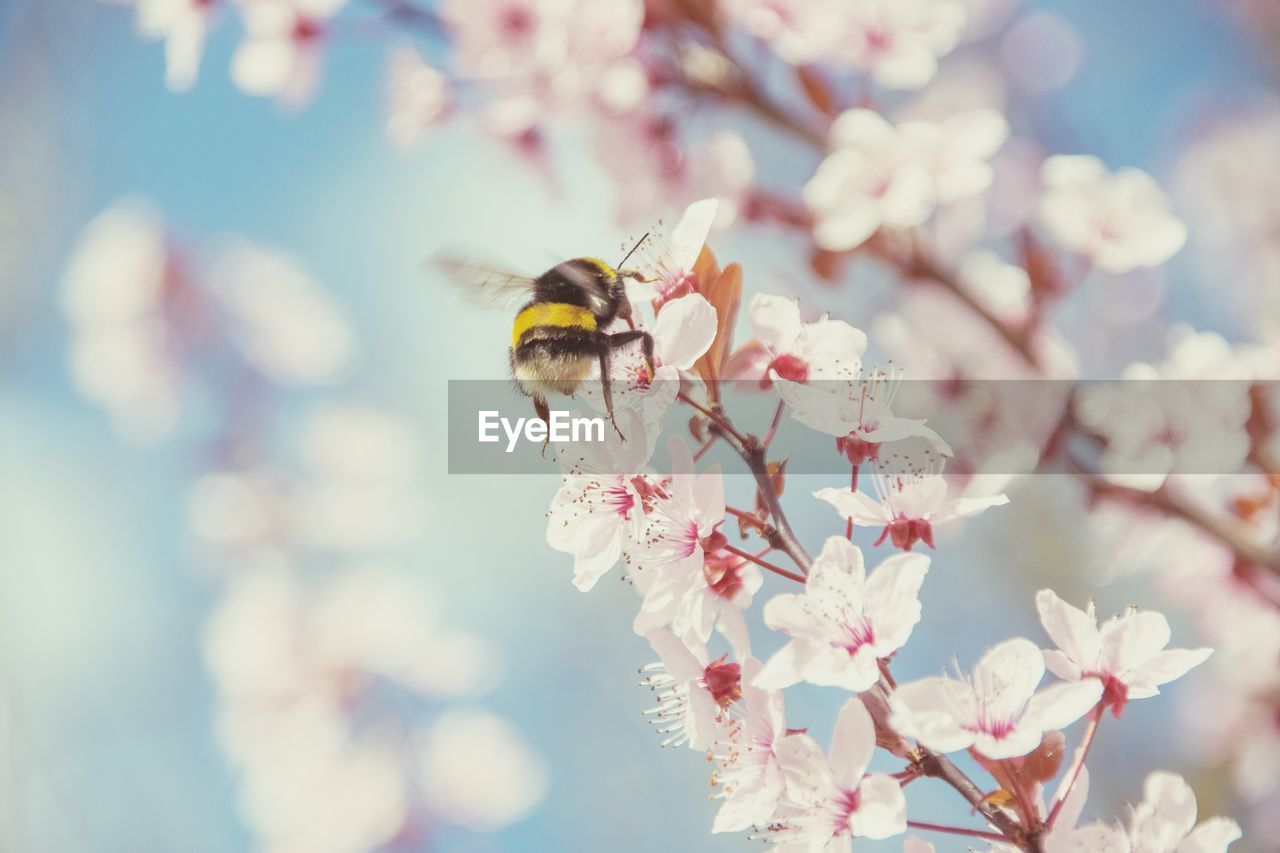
1117, 220
284, 323
183, 26
799, 31
280, 54
417, 96
881, 175
897, 42
1041, 52
1194, 426
477, 771
1228, 179
114, 291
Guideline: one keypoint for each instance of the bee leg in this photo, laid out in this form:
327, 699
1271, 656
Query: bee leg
621, 339
543, 411
606, 386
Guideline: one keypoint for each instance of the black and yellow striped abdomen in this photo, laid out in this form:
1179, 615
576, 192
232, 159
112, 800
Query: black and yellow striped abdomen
554, 346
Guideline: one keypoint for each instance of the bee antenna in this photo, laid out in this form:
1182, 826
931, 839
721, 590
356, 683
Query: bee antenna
638, 244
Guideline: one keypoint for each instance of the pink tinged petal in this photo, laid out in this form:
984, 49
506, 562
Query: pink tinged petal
965, 507
1168, 810
1129, 641
1213, 836
776, 321
852, 743
1009, 743
684, 331
882, 808
748, 362
742, 812
863, 510
933, 711
733, 626
916, 845
838, 567
892, 600
1005, 678
1062, 666
680, 662
786, 666
1062, 704
1076, 798
700, 722
690, 233
708, 499
790, 615
1165, 666
1071, 629
832, 348
813, 406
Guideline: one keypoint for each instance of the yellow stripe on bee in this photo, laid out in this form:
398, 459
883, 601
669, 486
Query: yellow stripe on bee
604, 268
552, 314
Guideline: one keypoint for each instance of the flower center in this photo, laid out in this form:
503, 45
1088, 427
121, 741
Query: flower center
787, 366
619, 498
906, 532
859, 633
722, 569
724, 681
858, 450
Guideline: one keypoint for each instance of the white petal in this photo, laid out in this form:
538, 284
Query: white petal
1007, 675
852, 743
882, 810
1062, 704
1213, 836
776, 321
684, 331
677, 657
856, 506
1071, 629
928, 711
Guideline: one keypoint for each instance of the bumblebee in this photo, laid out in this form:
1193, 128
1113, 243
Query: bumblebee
558, 335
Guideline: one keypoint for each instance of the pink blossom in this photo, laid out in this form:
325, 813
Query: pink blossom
1126, 654
280, 55
997, 711
417, 96
693, 692
908, 506
786, 347
841, 801
1119, 221
184, 26
844, 622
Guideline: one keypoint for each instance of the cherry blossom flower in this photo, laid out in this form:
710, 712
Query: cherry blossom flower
280, 55
858, 412
694, 693
881, 175
183, 25
907, 507
761, 762
1193, 425
872, 179
799, 31
478, 772
844, 621
116, 292
682, 564
669, 259
897, 42
1165, 821
683, 330
842, 802
1119, 221
417, 96
596, 511
1127, 653
495, 38
282, 320
997, 711
786, 347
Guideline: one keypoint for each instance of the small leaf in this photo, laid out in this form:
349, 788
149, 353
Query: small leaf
817, 90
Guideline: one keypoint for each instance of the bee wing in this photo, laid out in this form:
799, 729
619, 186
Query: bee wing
482, 284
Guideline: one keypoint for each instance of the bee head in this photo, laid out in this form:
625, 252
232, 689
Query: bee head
588, 282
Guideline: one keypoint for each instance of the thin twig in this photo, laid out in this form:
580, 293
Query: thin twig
956, 830
765, 564
1077, 764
